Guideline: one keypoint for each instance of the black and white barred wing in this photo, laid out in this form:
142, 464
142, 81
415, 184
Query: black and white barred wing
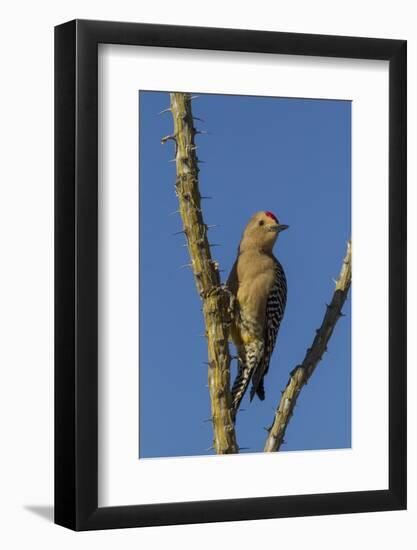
275, 308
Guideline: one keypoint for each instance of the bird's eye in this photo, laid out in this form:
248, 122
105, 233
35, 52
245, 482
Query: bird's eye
261, 222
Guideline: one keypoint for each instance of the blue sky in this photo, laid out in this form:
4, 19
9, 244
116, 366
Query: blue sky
290, 156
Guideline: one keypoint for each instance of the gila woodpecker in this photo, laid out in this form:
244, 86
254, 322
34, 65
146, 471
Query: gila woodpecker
257, 281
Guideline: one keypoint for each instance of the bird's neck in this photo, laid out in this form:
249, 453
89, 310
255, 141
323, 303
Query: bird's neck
254, 248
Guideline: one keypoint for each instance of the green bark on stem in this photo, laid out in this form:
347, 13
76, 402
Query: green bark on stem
302, 373
216, 299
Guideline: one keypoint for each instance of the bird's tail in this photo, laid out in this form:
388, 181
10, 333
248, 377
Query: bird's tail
258, 389
248, 361
240, 385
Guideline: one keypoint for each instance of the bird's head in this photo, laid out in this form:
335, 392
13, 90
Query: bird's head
261, 232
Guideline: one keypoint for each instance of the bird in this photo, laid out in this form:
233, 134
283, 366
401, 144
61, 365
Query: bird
258, 287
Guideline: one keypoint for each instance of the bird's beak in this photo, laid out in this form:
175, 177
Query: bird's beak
282, 227
279, 227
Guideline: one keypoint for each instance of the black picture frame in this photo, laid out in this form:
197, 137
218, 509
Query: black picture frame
76, 271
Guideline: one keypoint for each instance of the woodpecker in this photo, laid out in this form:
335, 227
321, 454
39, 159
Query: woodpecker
257, 282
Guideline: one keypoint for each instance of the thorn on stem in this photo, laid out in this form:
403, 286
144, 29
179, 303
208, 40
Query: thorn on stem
167, 138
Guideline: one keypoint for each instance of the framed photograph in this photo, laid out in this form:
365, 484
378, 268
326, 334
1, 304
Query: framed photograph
219, 356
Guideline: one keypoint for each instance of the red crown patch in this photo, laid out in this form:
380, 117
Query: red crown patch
271, 215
